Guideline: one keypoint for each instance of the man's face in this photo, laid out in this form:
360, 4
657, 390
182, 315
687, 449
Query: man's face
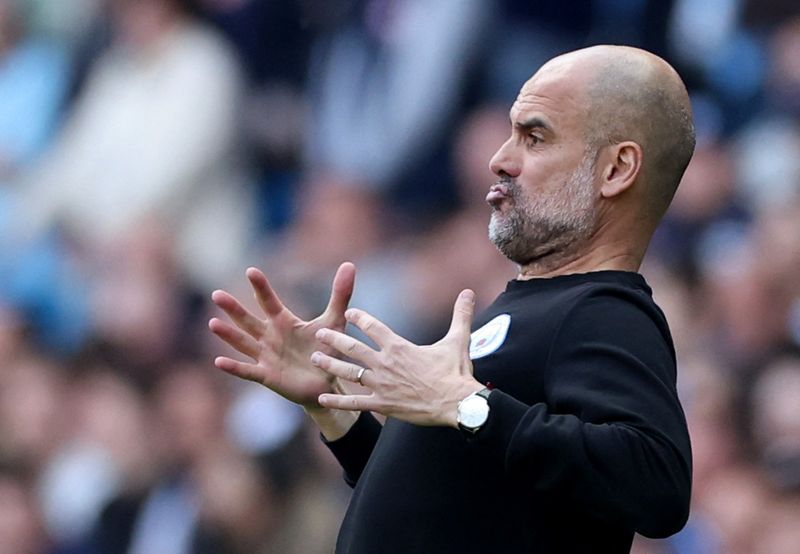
545, 201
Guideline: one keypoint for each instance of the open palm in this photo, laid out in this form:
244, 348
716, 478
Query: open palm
281, 343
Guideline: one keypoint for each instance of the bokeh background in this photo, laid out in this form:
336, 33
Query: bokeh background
150, 150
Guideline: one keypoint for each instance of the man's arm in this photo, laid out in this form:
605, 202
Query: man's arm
611, 435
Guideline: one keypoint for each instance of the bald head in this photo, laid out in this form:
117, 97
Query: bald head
631, 94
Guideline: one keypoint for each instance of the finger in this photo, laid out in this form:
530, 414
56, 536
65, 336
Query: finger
342, 289
351, 402
241, 341
342, 369
238, 313
462, 315
243, 370
371, 325
264, 294
348, 346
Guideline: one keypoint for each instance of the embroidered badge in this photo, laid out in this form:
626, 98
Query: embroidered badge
489, 338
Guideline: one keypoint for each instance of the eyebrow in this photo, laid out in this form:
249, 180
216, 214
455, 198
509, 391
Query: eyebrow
534, 122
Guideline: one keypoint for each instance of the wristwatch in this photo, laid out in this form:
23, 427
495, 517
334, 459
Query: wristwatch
473, 411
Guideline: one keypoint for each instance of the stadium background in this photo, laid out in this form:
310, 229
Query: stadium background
149, 156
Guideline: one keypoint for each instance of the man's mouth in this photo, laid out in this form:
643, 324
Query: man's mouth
497, 194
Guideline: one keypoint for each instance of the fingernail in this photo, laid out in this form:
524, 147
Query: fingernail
323, 398
315, 357
349, 314
469, 295
320, 334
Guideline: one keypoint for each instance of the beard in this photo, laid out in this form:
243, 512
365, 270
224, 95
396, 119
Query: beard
552, 223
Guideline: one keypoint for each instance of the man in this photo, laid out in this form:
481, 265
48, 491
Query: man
556, 426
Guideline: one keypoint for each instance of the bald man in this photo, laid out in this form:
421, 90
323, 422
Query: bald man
551, 423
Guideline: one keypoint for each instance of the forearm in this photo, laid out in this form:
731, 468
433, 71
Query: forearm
333, 424
353, 449
631, 474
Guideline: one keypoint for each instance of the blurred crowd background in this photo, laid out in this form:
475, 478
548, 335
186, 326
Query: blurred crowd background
151, 150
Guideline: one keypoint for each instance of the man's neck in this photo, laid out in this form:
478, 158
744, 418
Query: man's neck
593, 258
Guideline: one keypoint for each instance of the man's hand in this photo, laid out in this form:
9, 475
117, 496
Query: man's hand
281, 343
418, 384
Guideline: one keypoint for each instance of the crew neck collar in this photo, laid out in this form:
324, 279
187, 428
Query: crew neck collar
602, 276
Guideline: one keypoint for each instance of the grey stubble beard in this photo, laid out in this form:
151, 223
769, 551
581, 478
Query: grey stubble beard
551, 225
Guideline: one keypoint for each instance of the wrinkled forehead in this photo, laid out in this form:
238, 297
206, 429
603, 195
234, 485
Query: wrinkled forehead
556, 93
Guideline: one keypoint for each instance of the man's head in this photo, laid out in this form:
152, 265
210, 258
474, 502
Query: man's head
600, 139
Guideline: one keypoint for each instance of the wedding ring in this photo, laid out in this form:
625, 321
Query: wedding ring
360, 375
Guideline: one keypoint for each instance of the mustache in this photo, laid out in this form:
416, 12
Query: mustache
510, 184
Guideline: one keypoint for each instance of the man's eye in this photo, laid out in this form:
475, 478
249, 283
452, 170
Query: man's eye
533, 140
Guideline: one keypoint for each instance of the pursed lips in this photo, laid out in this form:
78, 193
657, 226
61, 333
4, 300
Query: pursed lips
497, 193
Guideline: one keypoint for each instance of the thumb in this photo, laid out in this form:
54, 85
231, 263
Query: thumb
462, 315
341, 290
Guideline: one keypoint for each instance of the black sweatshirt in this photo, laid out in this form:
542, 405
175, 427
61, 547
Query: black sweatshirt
586, 442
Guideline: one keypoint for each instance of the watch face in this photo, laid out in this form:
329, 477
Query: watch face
473, 412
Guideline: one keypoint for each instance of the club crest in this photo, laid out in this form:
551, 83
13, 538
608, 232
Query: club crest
489, 338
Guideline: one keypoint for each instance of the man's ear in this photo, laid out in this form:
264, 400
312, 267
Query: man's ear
623, 163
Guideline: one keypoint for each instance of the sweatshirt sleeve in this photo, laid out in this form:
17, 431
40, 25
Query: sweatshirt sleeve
611, 434
354, 449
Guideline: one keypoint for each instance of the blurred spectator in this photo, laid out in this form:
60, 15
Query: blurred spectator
33, 79
152, 135
106, 451
775, 420
525, 35
767, 13
68, 22
386, 83
642, 23
323, 235
780, 533
734, 507
12, 336
776, 237
31, 423
783, 81
20, 522
726, 57
141, 279
706, 214
239, 512
744, 319
273, 40
768, 162
186, 423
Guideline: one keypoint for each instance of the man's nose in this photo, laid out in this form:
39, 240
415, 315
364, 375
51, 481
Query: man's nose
505, 161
